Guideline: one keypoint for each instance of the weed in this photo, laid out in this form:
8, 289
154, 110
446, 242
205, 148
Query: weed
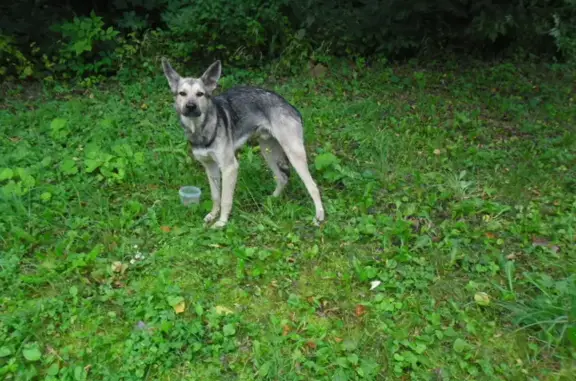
448, 252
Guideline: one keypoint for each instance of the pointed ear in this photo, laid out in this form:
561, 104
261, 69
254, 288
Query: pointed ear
171, 74
212, 75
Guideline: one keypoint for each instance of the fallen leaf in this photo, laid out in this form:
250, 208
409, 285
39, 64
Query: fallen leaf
490, 235
178, 303
180, 307
119, 267
311, 345
539, 241
286, 330
165, 229
338, 339
360, 310
482, 298
221, 310
374, 284
318, 70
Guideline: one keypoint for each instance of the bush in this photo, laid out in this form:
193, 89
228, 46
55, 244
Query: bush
394, 27
12, 60
98, 38
242, 31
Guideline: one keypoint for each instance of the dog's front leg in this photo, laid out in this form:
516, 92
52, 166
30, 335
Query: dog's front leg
214, 179
229, 176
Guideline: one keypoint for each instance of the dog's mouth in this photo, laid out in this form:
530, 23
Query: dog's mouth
191, 113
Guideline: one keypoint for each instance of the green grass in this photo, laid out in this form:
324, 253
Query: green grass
441, 183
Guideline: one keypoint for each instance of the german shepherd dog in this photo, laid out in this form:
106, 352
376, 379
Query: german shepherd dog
218, 126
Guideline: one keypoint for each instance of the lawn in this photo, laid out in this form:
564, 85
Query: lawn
448, 252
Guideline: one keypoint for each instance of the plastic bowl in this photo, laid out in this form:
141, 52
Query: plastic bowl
190, 195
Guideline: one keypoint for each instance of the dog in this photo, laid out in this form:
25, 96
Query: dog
218, 126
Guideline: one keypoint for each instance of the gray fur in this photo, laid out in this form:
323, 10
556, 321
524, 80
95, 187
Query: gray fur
217, 126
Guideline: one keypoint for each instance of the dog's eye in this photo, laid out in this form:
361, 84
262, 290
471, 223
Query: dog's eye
182, 93
199, 94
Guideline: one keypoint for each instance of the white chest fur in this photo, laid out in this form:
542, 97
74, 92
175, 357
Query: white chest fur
203, 154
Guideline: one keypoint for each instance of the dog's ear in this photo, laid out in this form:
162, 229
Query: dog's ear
171, 74
212, 75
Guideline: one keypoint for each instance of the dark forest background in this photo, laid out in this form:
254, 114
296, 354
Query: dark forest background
49, 39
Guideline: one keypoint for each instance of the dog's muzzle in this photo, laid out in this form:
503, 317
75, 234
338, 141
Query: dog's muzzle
191, 109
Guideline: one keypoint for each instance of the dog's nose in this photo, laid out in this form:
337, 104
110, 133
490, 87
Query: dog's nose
191, 106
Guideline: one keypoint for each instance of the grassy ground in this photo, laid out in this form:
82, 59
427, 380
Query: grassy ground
454, 188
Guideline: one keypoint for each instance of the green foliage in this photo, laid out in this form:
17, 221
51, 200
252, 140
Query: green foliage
447, 253
12, 60
89, 49
393, 27
241, 31
106, 37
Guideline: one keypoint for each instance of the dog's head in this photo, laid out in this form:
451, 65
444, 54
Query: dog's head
192, 95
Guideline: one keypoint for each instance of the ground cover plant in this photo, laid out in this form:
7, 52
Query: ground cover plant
447, 254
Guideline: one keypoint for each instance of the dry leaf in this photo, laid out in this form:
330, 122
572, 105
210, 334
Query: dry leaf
338, 339
180, 307
360, 310
482, 299
119, 267
490, 235
286, 330
318, 70
311, 345
538, 241
221, 310
165, 229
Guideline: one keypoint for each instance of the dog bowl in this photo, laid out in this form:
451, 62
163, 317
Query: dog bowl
190, 195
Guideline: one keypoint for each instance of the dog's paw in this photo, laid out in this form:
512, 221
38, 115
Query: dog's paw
210, 217
319, 216
219, 224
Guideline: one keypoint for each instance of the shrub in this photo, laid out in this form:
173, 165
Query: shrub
242, 31
246, 33
12, 61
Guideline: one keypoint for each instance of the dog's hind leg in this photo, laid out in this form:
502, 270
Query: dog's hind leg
277, 161
290, 138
